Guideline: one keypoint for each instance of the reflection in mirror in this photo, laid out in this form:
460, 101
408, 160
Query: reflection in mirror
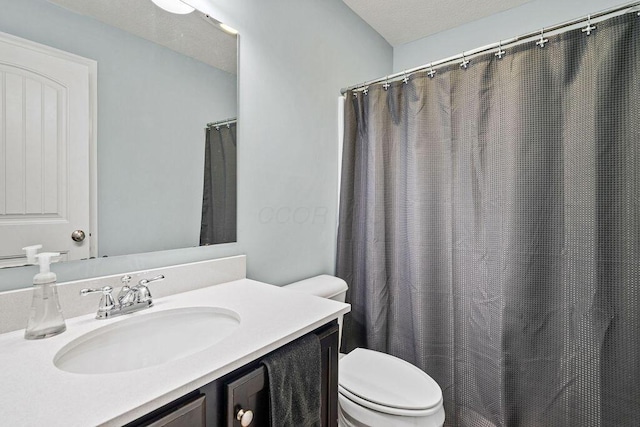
164, 179
219, 195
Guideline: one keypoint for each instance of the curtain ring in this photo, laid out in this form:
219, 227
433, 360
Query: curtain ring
589, 28
405, 79
365, 89
465, 62
542, 40
386, 83
500, 53
431, 72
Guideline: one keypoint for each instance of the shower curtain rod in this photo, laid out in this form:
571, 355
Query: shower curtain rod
222, 123
540, 35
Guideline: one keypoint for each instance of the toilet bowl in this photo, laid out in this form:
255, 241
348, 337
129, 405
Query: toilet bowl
376, 389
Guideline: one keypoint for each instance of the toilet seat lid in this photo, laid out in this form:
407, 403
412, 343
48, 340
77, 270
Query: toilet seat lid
387, 381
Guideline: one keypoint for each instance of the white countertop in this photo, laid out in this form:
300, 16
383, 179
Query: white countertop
35, 393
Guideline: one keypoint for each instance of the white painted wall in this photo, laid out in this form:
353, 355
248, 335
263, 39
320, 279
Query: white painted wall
529, 17
295, 55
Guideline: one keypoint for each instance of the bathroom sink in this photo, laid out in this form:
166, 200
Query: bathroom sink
147, 340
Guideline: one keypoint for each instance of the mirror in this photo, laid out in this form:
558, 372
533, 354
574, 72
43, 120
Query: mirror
166, 96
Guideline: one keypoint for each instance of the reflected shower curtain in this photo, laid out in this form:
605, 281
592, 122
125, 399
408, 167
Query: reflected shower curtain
490, 230
220, 180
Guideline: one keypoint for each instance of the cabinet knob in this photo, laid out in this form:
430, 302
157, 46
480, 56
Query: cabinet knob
245, 417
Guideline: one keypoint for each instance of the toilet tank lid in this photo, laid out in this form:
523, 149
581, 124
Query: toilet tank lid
324, 286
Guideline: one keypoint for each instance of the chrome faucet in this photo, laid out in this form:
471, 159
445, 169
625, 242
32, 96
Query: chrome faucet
129, 299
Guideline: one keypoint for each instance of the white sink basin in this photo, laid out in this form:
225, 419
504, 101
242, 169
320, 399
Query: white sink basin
147, 340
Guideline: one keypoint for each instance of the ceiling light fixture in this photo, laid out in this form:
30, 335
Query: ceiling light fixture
174, 6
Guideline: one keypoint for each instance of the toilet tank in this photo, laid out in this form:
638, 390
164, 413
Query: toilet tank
324, 286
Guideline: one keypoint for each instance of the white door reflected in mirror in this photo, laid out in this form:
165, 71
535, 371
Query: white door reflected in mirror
48, 100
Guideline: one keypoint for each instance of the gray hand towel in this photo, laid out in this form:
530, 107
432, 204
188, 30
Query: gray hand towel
294, 374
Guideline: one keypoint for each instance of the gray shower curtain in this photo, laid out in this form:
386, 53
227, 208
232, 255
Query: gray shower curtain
490, 230
218, 223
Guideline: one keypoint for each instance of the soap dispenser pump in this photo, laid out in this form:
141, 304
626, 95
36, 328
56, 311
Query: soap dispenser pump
45, 317
31, 252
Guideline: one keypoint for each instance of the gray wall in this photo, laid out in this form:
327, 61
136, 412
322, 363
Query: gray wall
531, 16
295, 55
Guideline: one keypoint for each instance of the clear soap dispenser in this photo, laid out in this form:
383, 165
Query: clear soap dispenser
45, 317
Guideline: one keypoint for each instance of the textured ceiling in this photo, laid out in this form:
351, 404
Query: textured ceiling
193, 35
403, 21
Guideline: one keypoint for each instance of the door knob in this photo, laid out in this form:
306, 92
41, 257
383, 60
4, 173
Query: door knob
245, 417
77, 236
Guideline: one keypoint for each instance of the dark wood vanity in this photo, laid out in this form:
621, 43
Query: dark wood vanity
218, 403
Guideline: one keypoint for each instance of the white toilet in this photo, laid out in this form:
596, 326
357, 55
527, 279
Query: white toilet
376, 389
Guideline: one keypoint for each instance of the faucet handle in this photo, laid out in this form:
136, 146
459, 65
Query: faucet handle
144, 294
106, 290
143, 282
107, 302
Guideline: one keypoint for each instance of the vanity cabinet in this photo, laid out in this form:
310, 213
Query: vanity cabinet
217, 404
248, 396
